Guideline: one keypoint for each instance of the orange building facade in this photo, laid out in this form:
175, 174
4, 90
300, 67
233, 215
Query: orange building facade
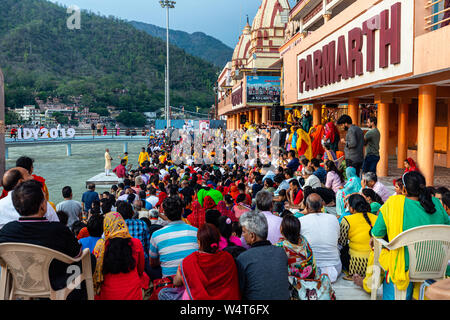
392, 53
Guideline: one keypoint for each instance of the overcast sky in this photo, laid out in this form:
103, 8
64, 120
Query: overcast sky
222, 19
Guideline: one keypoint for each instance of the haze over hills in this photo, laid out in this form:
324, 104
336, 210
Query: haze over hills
108, 61
197, 44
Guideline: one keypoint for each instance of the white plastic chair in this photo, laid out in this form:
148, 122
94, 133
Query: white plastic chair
25, 272
429, 253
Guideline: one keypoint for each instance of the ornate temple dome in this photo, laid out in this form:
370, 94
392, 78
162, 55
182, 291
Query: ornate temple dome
241, 51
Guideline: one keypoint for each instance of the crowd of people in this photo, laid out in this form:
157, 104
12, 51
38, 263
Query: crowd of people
229, 231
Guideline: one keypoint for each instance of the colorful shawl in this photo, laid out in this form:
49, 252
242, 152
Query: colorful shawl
114, 226
301, 263
412, 166
210, 276
353, 185
224, 211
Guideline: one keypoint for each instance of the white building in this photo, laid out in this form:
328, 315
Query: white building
29, 113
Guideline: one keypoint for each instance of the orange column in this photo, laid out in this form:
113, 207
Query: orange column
317, 114
353, 110
448, 133
402, 151
425, 132
383, 127
257, 117
264, 115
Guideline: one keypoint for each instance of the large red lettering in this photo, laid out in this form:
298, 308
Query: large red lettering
390, 36
328, 54
301, 74
317, 69
341, 60
369, 28
309, 78
355, 57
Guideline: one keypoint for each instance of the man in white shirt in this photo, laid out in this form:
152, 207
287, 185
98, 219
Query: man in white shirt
12, 178
310, 179
322, 231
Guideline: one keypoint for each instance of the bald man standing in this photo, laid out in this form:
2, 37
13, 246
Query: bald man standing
11, 179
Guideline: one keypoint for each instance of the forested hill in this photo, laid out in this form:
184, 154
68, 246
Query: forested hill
107, 61
198, 44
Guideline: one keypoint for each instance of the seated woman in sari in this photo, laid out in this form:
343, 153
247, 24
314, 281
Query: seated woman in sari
301, 264
208, 274
119, 272
355, 232
353, 185
400, 213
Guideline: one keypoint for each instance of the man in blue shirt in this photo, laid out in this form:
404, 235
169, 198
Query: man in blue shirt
89, 197
293, 163
319, 172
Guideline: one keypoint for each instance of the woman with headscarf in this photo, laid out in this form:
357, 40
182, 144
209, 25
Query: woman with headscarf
234, 192
197, 217
316, 134
410, 165
225, 208
332, 135
303, 146
209, 273
353, 185
119, 272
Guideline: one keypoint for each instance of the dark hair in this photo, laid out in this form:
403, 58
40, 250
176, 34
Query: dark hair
121, 185
126, 210
269, 182
442, 190
304, 161
359, 204
27, 198
25, 162
315, 162
228, 198
77, 226
332, 167
96, 207
237, 228
91, 186
106, 205
118, 256
446, 199
344, 119
173, 208
241, 198
415, 186
241, 186
375, 197
208, 236
161, 187
11, 179
291, 228
373, 120
289, 172
95, 225
63, 217
292, 153
285, 213
66, 192
212, 216
295, 183
226, 229
399, 181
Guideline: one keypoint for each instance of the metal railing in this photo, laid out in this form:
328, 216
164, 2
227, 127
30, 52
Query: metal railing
439, 16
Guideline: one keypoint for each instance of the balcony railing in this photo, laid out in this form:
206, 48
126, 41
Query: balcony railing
438, 14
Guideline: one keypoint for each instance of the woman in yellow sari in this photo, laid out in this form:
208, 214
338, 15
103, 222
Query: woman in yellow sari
400, 213
303, 144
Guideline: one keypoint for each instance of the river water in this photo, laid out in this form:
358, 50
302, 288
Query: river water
59, 170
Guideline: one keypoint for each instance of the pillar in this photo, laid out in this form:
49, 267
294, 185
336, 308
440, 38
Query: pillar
383, 127
317, 114
425, 131
402, 143
125, 147
69, 150
353, 110
6, 153
264, 115
257, 117
448, 133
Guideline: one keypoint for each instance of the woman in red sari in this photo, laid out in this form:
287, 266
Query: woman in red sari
208, 274
316, 135
410, 165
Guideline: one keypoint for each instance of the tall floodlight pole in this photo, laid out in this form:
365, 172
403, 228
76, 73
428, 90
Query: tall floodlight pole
2, 125
168, 4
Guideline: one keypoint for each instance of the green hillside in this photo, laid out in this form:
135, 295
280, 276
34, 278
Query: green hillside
107, 61
198, 44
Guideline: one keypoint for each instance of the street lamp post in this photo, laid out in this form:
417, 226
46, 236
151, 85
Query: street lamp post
168, 4
2, 125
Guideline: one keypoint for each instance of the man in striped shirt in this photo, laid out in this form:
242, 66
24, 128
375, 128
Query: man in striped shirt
171, 244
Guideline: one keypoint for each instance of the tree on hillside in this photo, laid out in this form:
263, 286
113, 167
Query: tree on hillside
132, 119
